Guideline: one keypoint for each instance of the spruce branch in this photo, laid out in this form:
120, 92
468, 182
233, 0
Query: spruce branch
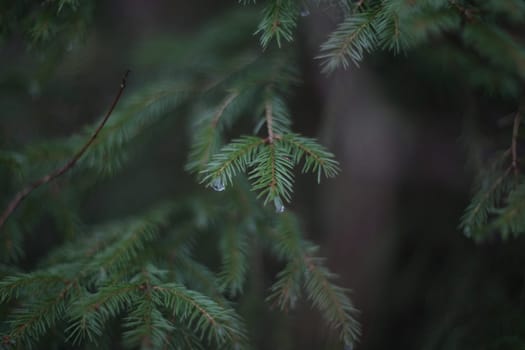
331, 300
279, 21
146, 325
232, 159
349, 42
20, 196
32, 320
286, 291
234, 255
489, 199
91, 312
496, 45
272, 174
275, 115
511, 218
317, 159
304, 267
485, 199
14, 286
207, 136
135, 236
211, 321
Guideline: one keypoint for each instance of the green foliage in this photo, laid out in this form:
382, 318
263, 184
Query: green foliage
148, 281
60, 24
234, 247
111, 278
496, 207
278, 22
303, 267
354, 37
268, 161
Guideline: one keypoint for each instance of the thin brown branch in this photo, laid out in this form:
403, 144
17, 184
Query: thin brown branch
269, 120
21, 195
514, 145
227, 101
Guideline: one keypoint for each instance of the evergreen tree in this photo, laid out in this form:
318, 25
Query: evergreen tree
147, 280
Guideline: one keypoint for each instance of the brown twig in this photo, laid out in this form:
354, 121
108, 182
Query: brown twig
269, 120
514, 145
223, 107
21, 195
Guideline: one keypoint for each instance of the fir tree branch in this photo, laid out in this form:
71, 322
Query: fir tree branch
234, 250
303, 266
13, 286
146, 325
32, 321
232, 159
511, 218
481, 203
316, 157
207, 135
331, 300
352, 38
90, 313
286, 290
272, 174
20, 196
279, 21
211, 320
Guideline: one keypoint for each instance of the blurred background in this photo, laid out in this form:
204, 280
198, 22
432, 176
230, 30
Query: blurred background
387, 224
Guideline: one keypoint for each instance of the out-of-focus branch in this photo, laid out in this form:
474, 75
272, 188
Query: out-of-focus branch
21, 195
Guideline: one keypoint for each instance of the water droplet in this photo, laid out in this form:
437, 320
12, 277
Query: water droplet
218, 185
304, 11
279, 206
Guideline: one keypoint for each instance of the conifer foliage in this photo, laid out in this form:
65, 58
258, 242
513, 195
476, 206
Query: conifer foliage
142, 282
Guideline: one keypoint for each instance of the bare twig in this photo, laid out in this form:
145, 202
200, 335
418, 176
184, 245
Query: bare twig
269, 120
223, 107
21, 195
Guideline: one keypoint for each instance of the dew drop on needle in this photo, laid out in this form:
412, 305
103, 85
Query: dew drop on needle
218, 185
279, 206
305, 11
